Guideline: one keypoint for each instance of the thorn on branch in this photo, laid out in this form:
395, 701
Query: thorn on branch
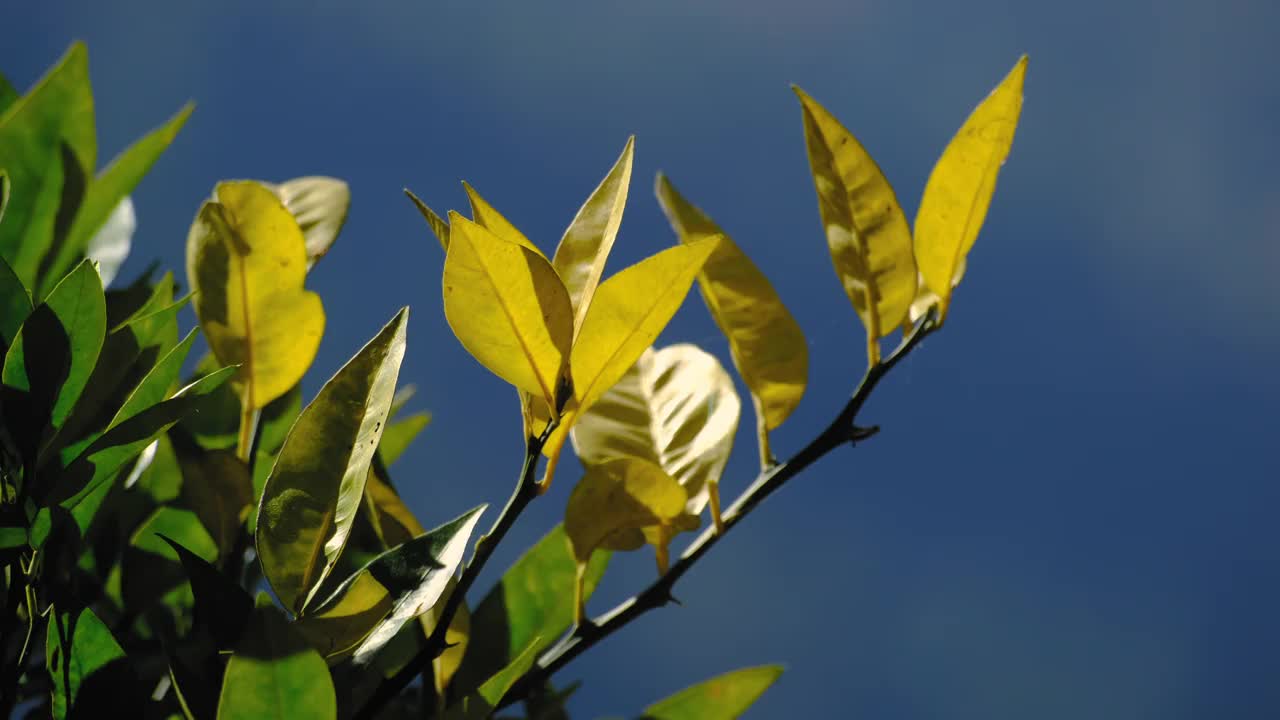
858, 434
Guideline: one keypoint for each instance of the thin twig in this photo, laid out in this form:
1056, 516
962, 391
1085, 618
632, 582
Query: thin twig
842, 430
526, 490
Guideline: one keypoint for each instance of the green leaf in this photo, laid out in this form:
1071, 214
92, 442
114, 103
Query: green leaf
246, 263
48, 145
581, 255
216, 484
313, 493
867, 233
530, 602
959, 190
438, 226
320, 205
151, 571
766, 343
109, 188
88, 669
398, 435
8, 94
507, 307
372, 605
275, 674
221, 605
63, 337
480, 705
15, 303
677, 408
724, 697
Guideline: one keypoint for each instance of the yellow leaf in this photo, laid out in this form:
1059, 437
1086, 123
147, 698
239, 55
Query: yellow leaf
490, 219
612, 506
958, 193
767, 345
246, 263
867, 233
438, 226
676, 408
586, 244
457, 636
320, 205
630, 309
507, 307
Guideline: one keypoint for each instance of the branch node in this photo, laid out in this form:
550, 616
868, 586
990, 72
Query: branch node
858, 434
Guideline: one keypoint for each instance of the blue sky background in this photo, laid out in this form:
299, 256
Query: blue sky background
1071, 510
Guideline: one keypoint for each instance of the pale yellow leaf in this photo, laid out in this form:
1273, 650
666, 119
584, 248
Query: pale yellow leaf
867, 233
766, 343
959, 190
586, 244
320, 205
507, 307
246, 263
490, 219
677, 408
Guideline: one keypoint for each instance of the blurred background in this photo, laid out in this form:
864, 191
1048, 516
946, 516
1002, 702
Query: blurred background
1070, 511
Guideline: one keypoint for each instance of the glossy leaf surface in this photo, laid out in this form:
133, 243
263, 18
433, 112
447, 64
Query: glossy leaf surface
274, 674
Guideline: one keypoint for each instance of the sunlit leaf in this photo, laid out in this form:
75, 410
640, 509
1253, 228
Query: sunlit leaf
107, 190
438, 226
959, 190
372, 605
585, 247
621, 504
480, 704
275, 674
676, 408
867, 233
109, 246
507, 307
246, 262
393, 521
457, 637
320, 205
313, 493
484, 215
529, 602
88, 669
724, 697
15, 304
48, 147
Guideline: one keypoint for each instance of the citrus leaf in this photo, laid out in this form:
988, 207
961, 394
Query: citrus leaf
580, 257
221, 605
320, 205
246, 263
88, 669
399, 434
15, 303
457, 638
151, 570
480, 704
723, 697
867, 233
312, 496
677, 408
109, 247
484, 215
766, 343
372, 605
529, 602
959, 190
507, 307
438, 226
275, 674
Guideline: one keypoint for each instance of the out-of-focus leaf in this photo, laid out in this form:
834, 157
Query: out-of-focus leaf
151, 570
438, 226
109, 246
216, 485
484, 215
8, 94
619, 505
724, 697
959, 190
867, 233
15, 303
221, 605
395, 524
372, 605
106, 191
88, 669
676, 408
458, 637
313, 493
320, 205
585, 247
480, 704
275, 674
398, 435
766, 343
507, 307
246, 263
529, 602
630, 309
44, 135
55, 351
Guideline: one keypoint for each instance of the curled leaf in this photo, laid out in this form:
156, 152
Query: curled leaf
320, 205
959, 190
